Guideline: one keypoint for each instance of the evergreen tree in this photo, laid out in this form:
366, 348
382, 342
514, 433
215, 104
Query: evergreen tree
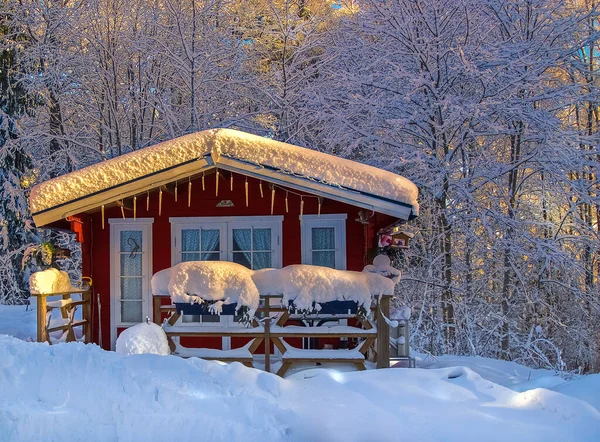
16, 229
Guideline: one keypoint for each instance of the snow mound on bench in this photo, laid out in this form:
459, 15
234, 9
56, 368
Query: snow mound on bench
305, 284
143, 339
198, 281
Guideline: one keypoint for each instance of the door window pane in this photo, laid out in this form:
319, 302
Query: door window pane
131, 275
131, 311
131, 264
131, 288
131, 241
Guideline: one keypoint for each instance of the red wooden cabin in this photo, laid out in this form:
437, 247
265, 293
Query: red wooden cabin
275, 205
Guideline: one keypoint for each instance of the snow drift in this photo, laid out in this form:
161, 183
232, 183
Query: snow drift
74, 392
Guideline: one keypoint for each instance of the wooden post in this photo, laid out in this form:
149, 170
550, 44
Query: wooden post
267, 335
86, 297
383, 333
42, 335
156, 309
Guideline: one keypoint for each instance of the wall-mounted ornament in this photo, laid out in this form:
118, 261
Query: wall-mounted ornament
225, 203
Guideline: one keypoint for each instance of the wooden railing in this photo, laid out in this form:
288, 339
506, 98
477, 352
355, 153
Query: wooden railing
274, 329
67, 321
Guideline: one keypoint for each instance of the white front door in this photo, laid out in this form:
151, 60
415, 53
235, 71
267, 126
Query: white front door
131, 272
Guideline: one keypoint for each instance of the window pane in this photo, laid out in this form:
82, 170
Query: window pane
323, 238
210, 241
211, 318
242, 258
131, 288
325, 259
131, 265
261, 239
242, 239
190, 257
131, 311
131, 241
211, 257
262, 260
190, 240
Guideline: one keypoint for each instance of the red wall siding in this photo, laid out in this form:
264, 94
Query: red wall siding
96, 256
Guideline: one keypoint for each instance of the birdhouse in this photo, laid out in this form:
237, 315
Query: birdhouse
395, 238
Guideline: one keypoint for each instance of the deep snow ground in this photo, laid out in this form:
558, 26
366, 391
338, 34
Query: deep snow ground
79, 392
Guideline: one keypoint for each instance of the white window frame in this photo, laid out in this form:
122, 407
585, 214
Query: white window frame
226, 224
338, 222
117, 225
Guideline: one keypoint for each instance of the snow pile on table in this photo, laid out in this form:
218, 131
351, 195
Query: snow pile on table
254, 149
307, 284
144, 338
195, 282
50, 281
74, 392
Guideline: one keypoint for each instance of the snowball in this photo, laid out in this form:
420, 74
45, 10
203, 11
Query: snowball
382, 266
143, 339
401, 313
382, 261
50, 281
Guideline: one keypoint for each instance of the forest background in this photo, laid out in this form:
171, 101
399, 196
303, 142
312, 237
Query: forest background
490, 106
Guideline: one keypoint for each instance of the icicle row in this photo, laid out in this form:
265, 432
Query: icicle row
203, 188
122, 209
246, 189
102, 210
134, 207
217, 183
231, 183
190, 193
175, 191
261, 191
148, 201
287, 207
301, 208
319, 209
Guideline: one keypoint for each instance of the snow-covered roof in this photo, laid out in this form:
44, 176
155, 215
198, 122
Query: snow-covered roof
293, 166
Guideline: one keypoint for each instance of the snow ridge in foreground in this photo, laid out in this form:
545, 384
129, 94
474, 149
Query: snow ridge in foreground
80, 392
